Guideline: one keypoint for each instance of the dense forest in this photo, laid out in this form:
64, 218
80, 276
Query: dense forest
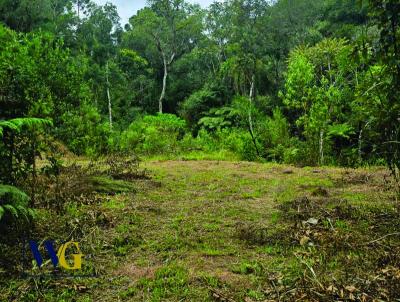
290, 81
294, 82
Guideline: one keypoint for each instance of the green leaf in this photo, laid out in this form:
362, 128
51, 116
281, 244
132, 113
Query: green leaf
18, 123
11, 209
1, 212
340, 130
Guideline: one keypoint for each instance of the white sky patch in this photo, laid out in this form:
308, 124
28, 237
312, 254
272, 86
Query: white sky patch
127, 8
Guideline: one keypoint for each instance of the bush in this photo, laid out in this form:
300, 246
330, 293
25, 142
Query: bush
274, 136
234, 140
200, 102
84, 132
150, 135
300, 153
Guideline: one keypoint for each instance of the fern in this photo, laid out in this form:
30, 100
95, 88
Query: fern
340, 130
14, 202
18, 123
218, 118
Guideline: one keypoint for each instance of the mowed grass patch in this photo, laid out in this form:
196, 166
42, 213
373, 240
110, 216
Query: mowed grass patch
239, 231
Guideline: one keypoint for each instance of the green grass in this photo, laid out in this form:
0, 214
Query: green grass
202, 229
108, 185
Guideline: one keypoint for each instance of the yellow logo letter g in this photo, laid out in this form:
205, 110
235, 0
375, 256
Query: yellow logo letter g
77, 258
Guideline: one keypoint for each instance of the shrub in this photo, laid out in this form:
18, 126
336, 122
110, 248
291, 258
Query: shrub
159, 134
20, 142
300, 153
200, 102
274, 136
234, 140
84, 132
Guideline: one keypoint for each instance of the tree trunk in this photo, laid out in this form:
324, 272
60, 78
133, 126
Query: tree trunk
360, 142
321, 147
34, 174
360, 136
109, 98
164, 88
251, 98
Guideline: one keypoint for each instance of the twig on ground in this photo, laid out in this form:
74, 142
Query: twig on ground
383, 237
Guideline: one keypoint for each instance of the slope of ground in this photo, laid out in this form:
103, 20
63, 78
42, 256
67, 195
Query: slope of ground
232, 231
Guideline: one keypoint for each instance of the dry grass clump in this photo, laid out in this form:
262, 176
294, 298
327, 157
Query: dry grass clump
348, 253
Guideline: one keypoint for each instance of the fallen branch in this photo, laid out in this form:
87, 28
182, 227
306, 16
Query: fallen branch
383, 237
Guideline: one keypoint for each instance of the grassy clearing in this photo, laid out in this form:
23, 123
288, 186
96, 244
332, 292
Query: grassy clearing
229, 231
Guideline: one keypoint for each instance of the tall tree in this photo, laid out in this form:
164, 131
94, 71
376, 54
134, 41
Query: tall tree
386, 16
173, 27
99, 35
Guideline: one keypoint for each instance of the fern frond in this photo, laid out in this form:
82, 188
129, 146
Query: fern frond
13, 211
7, 124
11, 194
18, 123
14, 202
30, 122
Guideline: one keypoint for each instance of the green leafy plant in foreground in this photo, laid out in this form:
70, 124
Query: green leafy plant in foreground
13, 203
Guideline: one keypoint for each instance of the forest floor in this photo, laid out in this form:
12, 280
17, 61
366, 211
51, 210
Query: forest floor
230, 231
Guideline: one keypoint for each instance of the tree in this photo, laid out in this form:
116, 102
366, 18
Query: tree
319, 92
172, 26
98, 35
386, 16
244, 50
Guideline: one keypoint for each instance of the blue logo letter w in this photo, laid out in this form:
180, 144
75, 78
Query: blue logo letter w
50, 250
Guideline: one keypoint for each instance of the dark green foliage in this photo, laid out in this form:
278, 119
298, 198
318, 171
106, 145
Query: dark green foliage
19, 145
13, 204
386, 16
84, 131
328, 65
200, 102
38, 76
218, 118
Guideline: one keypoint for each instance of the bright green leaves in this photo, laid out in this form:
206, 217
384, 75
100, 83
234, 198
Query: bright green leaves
37, 76
218, 118
319, 89
17, 124
299, 81
340, 130
158, 134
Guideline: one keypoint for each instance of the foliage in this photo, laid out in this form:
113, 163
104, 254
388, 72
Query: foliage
218, 118
84, 131
318, 88
19, 146
220, 69
38, 76
275, 136
157, 134
386, 16
202, 101
13, 204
